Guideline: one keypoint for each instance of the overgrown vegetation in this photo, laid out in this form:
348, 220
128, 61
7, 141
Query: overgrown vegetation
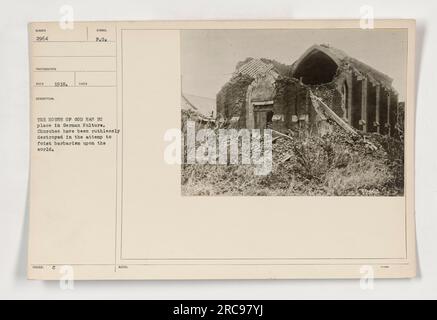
337, 164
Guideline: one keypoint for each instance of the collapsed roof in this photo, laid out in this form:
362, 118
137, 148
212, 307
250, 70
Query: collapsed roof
253, 67
318, 65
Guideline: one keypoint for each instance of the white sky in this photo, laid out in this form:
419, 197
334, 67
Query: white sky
209, 57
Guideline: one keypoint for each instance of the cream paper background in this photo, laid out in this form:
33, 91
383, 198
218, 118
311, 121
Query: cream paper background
14, 170
117, 212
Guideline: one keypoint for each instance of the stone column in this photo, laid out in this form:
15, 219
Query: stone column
364, 105
377, 111
388, 113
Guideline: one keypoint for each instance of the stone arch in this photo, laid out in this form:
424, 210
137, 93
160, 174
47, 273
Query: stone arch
316, 66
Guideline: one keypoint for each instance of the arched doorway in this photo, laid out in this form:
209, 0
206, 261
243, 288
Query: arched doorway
263, 114
260, 102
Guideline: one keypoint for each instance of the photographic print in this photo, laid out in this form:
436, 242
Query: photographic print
300, 112
222, 150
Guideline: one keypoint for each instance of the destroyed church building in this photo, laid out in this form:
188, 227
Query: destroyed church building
323, 84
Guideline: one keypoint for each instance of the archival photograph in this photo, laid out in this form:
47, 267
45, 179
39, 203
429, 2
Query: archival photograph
304, 112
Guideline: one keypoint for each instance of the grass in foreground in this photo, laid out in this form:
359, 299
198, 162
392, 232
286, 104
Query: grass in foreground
334, 165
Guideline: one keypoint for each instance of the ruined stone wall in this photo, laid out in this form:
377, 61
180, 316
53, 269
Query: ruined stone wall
357, 89
371, 108
331, 95
383, 112
290, 104
393, 112
231, 99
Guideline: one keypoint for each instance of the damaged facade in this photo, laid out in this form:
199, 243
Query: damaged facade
263, 93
